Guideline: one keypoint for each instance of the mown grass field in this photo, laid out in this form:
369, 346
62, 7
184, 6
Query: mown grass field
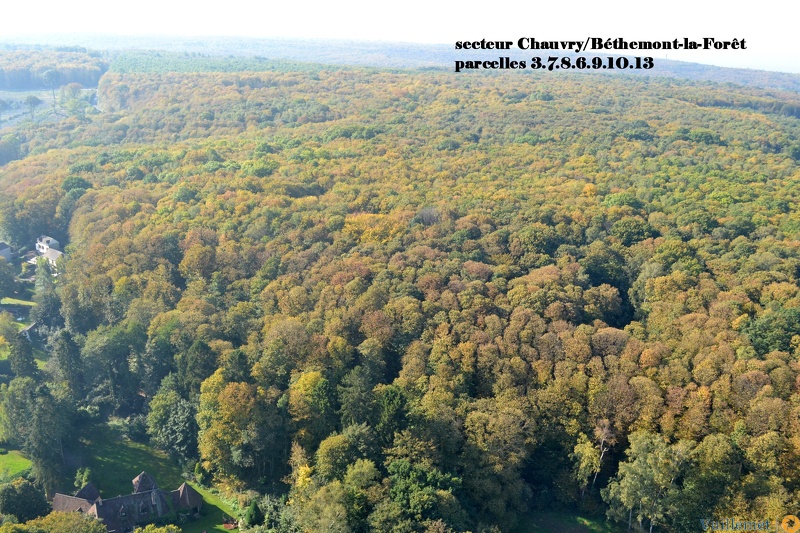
12, 464
15, 301
115, 461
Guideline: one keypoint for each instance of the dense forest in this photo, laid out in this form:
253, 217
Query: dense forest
27, 69
418, 300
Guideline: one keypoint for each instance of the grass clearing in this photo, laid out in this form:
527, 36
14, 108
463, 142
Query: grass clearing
15, 301
540, 522
41, 357
115, 461
12, 465
214, 511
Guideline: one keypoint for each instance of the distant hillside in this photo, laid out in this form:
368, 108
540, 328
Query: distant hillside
391, 55
40, 69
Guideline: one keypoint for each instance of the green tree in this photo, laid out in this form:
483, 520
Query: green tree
362, 483
52, 79
195, 365
66, 357
22, 499
75, 182
242, 431
107, 354
325, 510
311, 407
47, 311
32, 102
44, 276
333, 456
36, 421
648, 481
21, 358
9, 148
253, 516
774, 329
586, 461
152, 528
356, 398
716, 467
83, 477
8, 281
587, 456
67, 522
171, 424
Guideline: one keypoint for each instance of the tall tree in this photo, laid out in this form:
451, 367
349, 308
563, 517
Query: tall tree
21, 357
8, 281
171, 423
52, 79
32, 102
647, 483
34, 420
242, 430
66, 357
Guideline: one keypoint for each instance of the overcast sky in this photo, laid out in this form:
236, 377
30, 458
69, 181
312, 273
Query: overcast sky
766, 26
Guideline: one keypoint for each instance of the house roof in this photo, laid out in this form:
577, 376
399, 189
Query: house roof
131, 509
4, 246
88, 492
52, 255
62, 502
185, 497
145, 505
144, 482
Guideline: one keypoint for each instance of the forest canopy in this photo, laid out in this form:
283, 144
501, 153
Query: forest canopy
421, 301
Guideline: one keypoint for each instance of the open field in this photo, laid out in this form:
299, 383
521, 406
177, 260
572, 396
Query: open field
12, 464
16, 111
15, 301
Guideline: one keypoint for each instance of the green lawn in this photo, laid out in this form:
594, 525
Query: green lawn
12, 464
41, 357
214, 510
14, 301
115, 461
537, 522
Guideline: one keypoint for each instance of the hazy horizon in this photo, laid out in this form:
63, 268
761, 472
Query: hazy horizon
769, 37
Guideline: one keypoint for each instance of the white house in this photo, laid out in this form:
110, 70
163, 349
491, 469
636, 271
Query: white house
45, 243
